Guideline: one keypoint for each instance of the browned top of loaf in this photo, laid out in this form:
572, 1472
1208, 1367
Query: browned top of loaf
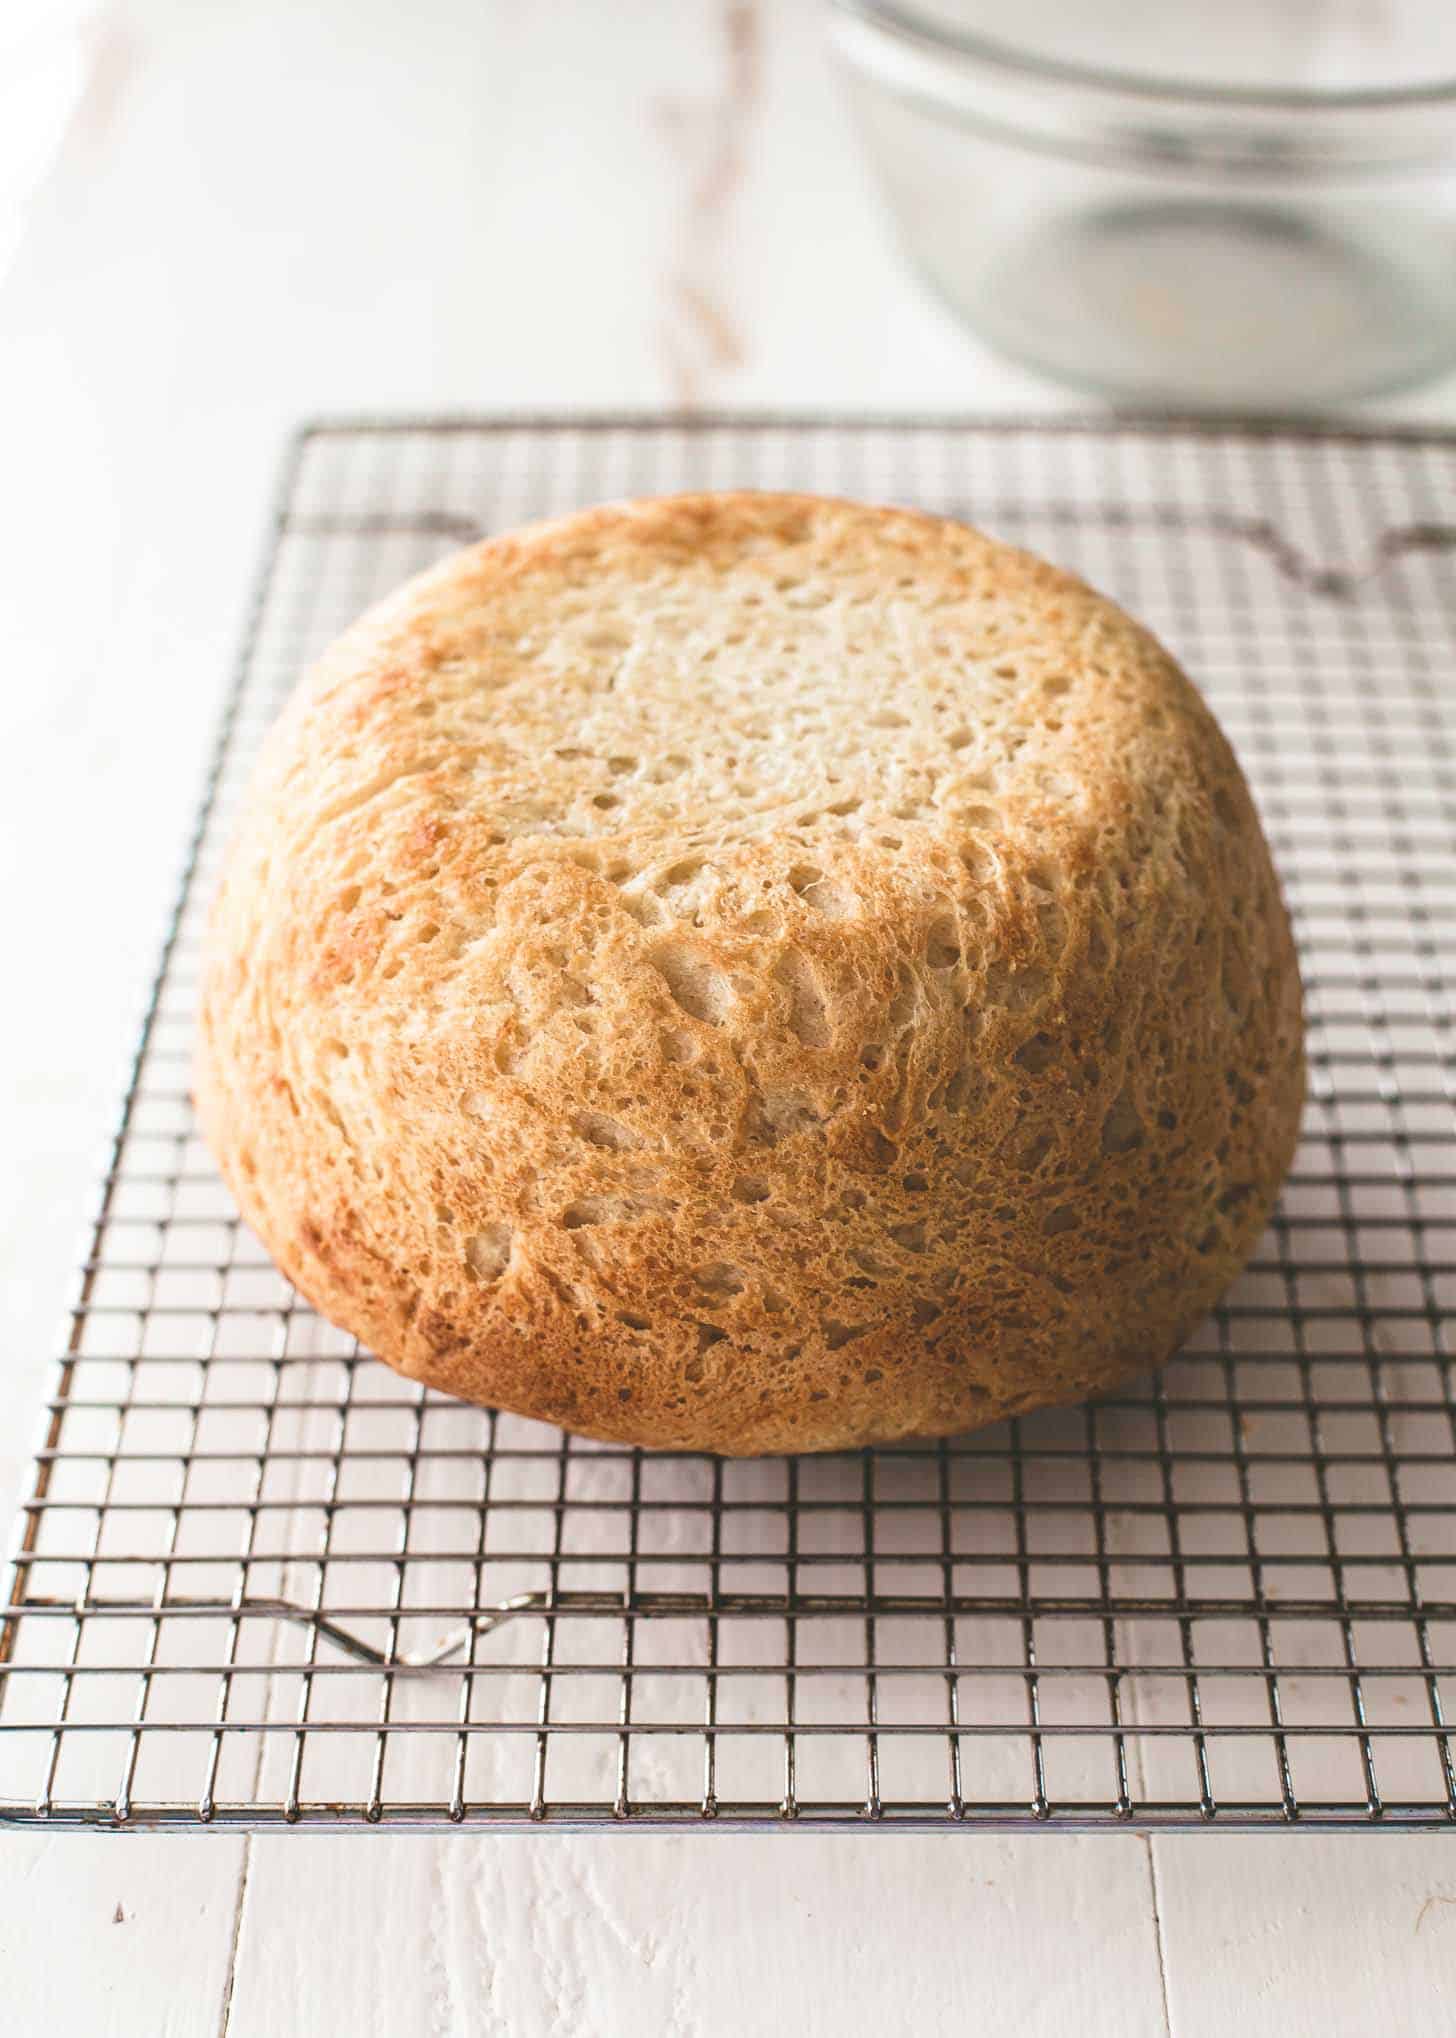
752, 970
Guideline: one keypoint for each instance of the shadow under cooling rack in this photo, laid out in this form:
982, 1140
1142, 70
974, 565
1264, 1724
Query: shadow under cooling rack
261, 1579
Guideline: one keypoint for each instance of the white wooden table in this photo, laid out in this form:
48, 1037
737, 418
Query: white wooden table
262, 211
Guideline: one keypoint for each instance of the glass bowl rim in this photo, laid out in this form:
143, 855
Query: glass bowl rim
969, 48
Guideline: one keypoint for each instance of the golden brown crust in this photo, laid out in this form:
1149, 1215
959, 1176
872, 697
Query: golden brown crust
755, 973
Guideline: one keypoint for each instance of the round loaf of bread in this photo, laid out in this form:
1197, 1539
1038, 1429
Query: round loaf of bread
752, 973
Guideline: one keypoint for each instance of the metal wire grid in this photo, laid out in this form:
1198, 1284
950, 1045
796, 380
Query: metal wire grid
261, 1579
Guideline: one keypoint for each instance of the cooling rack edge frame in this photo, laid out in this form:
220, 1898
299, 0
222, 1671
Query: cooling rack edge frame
687, 1815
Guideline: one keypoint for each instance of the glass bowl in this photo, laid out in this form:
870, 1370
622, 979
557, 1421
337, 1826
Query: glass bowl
1245, 205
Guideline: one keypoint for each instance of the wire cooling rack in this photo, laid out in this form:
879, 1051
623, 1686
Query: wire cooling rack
263, 1580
